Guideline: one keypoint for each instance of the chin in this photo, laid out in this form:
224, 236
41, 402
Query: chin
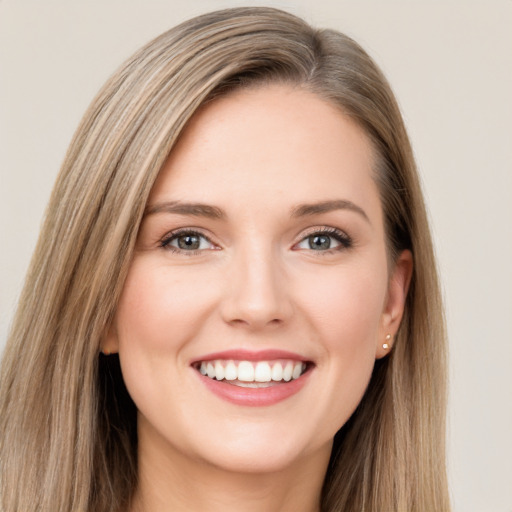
263, 460
259, 450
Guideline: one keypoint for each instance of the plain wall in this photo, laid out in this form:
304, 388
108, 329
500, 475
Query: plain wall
450, 64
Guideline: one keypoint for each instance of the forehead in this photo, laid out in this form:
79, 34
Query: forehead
273, 142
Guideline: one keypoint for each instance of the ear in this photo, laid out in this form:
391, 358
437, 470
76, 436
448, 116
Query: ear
110, 342
393, 311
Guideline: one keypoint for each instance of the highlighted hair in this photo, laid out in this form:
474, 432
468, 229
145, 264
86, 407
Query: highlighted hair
67, 426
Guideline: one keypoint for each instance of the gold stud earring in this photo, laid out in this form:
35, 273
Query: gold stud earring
385, 346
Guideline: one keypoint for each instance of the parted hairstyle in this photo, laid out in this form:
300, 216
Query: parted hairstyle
68, 438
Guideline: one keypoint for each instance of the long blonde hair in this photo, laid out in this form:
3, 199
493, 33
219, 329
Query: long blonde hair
67, 426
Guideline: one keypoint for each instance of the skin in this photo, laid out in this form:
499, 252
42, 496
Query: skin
255, 283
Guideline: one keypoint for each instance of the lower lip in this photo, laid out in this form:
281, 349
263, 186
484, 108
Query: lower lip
256, 397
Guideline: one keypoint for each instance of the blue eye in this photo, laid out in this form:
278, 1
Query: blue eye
325, 240
187, 241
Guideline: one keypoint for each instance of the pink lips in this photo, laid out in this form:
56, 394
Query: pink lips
249, 396
247, 355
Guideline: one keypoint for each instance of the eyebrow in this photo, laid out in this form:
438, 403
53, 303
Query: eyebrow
180, 208
305, 210
213, 212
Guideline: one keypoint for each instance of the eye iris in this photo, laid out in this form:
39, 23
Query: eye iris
318, 242
189, 242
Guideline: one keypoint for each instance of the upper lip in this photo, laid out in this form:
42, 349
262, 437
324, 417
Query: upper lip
250, 355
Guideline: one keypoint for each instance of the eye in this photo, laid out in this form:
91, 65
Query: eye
324, 240
187, 241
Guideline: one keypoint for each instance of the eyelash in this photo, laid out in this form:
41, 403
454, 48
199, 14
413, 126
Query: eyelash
340, 236
174, 235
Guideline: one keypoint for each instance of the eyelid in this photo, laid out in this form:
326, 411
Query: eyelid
165, 241
341, 236
343, 239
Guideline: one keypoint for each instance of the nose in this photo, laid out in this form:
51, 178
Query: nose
257, 294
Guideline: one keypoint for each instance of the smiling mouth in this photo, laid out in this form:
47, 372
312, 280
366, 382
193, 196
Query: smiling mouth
252, 374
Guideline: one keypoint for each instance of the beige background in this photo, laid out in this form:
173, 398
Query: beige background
450, 64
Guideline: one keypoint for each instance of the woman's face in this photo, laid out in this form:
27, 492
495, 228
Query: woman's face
261, 261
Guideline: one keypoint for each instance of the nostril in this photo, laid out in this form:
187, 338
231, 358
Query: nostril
238, 321
254, 296
256, 322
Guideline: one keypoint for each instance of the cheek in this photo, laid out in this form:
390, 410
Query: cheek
344, 310
346, 305
160, 308
159, 312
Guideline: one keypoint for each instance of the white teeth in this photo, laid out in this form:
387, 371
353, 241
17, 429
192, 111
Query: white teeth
231, 373
297, 371
219, 371
277, 372
253, 384
262, 372
246, 373
287, 372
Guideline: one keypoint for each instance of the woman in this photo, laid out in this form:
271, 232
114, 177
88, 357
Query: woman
239, 229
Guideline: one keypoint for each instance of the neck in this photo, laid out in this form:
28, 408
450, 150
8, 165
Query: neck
170, 481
